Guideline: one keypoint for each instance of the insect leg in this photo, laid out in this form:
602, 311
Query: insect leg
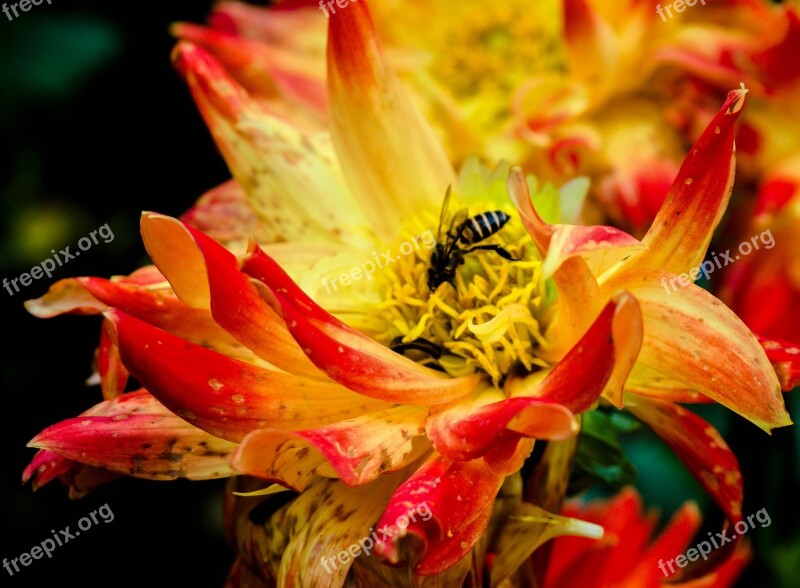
496, 248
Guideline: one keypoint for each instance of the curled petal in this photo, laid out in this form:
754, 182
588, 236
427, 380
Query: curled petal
135, 434
113, 375
358, 450
447, 505
378, 132
205, 275
468, 429
692, 337
700, 447
347, 356
45, 467
226, 397
576, 285
601, 247
598, 364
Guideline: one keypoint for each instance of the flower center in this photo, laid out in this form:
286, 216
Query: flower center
487, 319
495, 46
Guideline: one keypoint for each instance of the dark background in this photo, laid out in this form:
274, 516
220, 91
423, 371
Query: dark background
95, 127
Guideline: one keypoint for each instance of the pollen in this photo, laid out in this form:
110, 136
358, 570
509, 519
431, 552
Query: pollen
488, 320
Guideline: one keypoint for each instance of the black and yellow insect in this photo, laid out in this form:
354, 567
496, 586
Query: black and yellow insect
463, 231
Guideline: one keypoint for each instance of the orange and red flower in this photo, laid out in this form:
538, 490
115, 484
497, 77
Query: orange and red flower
241, 355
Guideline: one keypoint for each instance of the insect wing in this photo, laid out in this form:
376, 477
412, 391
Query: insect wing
459, 218
443, 216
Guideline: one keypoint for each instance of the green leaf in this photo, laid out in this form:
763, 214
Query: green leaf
599, 456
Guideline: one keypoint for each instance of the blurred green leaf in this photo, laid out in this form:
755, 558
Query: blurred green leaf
46, 57
599, 455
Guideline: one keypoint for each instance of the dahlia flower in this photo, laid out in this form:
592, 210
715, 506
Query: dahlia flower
609, 90
386, 397
629, 554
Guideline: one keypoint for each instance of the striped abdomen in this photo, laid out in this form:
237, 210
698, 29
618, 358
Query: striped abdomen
481, 226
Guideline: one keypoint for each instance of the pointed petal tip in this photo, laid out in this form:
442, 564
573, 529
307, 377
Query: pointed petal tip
736, 99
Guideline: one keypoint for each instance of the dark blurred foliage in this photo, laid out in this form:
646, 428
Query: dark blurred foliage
96, 127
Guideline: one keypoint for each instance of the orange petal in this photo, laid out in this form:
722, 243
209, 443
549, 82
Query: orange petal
347, 356
591, 43
578, 301
359, 449
679, 237
389, 154
692, 337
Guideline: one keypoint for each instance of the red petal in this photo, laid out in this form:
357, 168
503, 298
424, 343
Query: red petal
679, 237
598, 364
347, 356
205, 274
468, 429
457, 499
700, 447
135, 434
113, 375
45, 467
785, 358
226, 397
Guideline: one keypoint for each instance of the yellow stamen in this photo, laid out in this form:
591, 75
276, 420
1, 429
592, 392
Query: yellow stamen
488, 320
